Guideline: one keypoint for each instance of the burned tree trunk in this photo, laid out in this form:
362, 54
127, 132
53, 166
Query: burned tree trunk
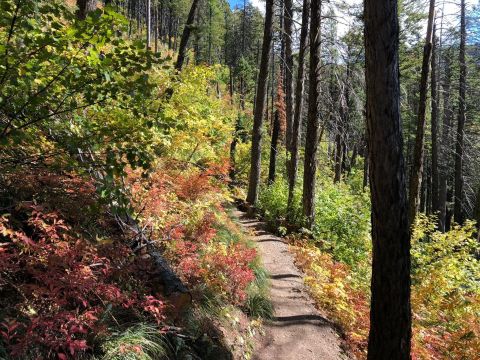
418, 156
313, 122
84, 7
390, 313
298, 112
262, 82
459, 147
182, 51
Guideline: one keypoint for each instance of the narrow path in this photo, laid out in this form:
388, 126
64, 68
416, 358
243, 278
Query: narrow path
297, 331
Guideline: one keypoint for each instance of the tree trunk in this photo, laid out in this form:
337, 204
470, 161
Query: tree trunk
365, 169
476, 214
418, 157
298, 112
445, 149
149, 24
459, 148
390, 313
254, 180
273, 149
84, 7
338, 156
182, 51
313, 122
434, 119
288, 36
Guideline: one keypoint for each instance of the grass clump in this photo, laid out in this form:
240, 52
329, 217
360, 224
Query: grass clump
140, 342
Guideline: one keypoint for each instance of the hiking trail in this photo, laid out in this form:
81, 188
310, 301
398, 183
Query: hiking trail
297, 330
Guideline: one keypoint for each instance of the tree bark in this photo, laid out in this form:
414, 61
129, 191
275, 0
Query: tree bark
255, 166
288, 28
84, 7
313, 122
273, 149
434, 120
182, 51
365, 167
476, 214
390, 313
418, 156
459, 148
445, 146
298, 112
338, 156
149, 24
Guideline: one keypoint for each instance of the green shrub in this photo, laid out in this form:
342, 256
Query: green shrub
342, 215
342, 221
273, 201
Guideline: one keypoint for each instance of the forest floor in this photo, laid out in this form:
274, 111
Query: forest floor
298, 330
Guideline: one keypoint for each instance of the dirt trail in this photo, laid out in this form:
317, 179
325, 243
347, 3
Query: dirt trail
297, 331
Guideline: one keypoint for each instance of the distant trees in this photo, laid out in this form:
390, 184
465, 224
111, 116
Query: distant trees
390, 314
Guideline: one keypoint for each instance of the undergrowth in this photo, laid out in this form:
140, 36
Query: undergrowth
335, 257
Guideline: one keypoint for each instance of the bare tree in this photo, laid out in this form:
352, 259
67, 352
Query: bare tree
262, 83
418, 156
434, 120
149, 23
298, 112
288, 28
459, 147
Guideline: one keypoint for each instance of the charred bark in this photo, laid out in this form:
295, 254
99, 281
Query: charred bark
313, 122
390, 313
254, 180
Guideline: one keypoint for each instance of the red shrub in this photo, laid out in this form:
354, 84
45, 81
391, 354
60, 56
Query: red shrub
62, 283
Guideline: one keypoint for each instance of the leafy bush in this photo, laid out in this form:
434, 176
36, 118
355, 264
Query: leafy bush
60, 287
336, 291
342, 216
342, 222
445, 291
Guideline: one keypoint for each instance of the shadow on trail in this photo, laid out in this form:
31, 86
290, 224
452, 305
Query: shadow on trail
284, 276
311, 319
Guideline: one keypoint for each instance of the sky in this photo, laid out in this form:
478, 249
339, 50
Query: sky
257, 3
449, 7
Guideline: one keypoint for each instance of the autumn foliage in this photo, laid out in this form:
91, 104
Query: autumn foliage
65, 285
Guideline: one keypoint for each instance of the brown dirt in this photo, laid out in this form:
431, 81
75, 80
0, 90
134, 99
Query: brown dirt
297, 331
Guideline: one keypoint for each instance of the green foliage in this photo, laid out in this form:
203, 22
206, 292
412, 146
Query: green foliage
52, 65
273, 201
258, 304
342, 215
342, 223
